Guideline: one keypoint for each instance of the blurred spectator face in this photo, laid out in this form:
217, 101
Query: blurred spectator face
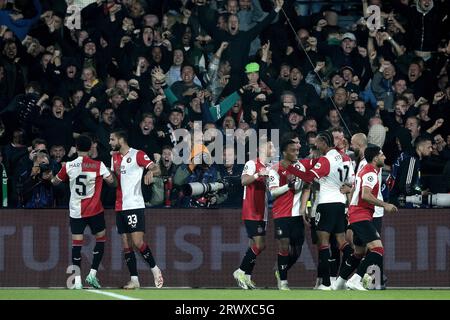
310, 126
348, 45
117, 99
412, 124
360, 107
150, 20
340, 96
244, 126
400, 86
228, 123
175, 118
186, 38
439, 142
375, 120
245, 4
400, 107
237, 107
88, 75
425, 4
222, 23
233, 25
127, 25
19, 137
167, 157
122, 84
90, 49
178, 57
285, 71
110, 82
76, 97
10, 51
71, 72
57, 22
158, 109
95, 113
339, 139
195, 105
224, 68
443, 82
232, 6
425, 148
147, 36
45, 60
423, 113
411, 99
57, 153
136, 9
295, 77
58, 109
83, 35
347, 75
157, 54
337, 81
331, 17
389, 72
288, 102
187, 75
294, 118
448, 140
414, 72
146, 125
333, 118
303, 35
253, 77
109, 116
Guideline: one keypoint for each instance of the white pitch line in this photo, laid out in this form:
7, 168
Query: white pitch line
114, 295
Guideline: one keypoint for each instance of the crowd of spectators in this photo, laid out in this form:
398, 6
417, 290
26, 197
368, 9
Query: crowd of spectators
154, 66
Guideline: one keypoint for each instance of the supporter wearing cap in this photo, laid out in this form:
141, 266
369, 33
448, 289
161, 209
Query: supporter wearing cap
346, 54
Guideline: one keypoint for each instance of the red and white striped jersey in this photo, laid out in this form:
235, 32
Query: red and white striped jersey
129, 169
331, 174
287, 204
254, 203
360, 210
85, 179
379, 211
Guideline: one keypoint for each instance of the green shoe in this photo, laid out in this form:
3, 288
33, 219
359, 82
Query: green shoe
93, 281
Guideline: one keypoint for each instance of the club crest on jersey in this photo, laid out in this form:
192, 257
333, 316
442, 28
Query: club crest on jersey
129, 160
370, 178
146, 158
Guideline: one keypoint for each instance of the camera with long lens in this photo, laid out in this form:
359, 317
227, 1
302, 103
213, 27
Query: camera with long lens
441, 200
198, 189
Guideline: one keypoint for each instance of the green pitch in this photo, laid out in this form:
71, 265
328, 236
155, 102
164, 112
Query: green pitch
219, 294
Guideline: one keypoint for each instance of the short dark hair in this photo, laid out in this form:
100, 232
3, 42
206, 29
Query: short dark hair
121, 134
371, 152
291, 135
327, 137
83, 143
286, 143
422, 139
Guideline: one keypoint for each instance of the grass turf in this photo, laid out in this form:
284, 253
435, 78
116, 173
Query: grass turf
222, 294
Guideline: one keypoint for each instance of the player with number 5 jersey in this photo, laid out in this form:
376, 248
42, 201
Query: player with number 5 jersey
129, 164
85, 178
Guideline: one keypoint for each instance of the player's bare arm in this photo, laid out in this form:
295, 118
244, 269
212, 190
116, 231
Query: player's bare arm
111, 180
370, 198
247, 179
306, 192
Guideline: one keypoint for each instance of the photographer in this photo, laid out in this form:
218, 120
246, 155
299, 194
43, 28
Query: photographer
34, 187
201, 169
